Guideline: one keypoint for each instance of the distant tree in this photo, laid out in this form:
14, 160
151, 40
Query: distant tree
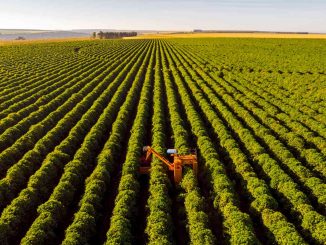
114, 35
94, 35
20, 38
100, 35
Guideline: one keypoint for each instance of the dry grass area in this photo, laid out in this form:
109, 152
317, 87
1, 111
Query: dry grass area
15, 42
236, 35
176, 35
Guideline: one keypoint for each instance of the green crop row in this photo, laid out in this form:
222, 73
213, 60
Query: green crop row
78, 169
75, 116
159, 227
261, 199
19, 173
237, 224
311, 221
123, 215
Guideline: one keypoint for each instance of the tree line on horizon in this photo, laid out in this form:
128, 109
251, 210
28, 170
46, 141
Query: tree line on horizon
113, 35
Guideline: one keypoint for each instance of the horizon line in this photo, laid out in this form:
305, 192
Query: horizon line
162, 30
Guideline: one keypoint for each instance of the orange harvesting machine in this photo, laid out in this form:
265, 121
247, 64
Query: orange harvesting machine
176, 166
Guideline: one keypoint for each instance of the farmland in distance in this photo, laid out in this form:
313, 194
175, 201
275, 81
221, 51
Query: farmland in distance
75, 115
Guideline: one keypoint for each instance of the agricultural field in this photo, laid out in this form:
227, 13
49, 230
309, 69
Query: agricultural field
75, 115
164, 35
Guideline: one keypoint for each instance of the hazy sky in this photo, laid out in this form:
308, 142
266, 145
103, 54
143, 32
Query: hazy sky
270, 15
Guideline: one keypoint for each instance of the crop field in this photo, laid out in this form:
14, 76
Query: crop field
164, 35
75, 115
